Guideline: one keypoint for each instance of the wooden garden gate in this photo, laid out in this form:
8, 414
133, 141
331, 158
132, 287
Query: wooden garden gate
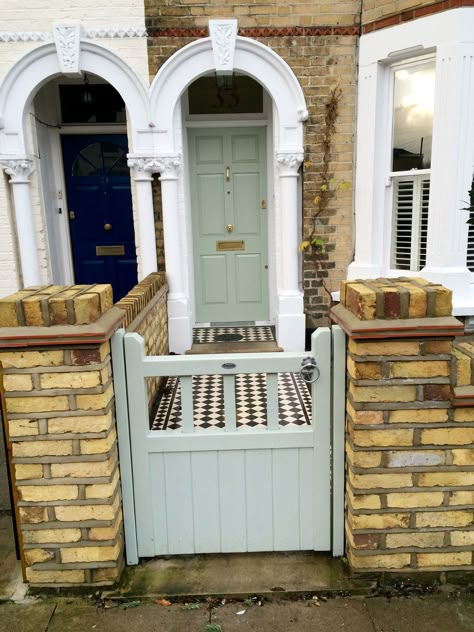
231, 489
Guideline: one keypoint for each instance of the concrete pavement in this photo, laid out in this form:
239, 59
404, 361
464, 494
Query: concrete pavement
375, 614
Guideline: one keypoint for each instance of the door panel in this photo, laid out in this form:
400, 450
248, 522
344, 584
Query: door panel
100, 207
214, 268
211, 209
228, 184
247, 191
245, 148
249, 288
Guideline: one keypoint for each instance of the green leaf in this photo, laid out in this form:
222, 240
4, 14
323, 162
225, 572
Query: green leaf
213, 627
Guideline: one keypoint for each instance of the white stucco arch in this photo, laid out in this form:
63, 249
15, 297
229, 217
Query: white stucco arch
250, 57
289, 112
40, 65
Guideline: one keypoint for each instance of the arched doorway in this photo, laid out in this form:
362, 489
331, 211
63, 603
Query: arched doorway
82, 147
41, 167
286, 112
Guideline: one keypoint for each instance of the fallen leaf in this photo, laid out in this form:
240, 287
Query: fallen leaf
241, 612
130, 604
163, 602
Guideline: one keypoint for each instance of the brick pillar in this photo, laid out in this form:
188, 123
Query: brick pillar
58, 402
409, 452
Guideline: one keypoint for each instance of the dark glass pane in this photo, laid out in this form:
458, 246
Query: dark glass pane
413, 103
233, 94
120, 168
115, 159
91, 103
88, 161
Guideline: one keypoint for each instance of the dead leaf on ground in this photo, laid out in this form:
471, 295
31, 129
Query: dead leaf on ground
162, 602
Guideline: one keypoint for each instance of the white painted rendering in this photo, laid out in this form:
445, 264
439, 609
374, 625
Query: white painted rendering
449, 38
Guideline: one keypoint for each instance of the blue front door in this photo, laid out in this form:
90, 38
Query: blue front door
100, 210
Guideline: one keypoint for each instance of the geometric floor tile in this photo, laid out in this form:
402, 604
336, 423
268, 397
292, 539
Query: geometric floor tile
253, 333
294, 402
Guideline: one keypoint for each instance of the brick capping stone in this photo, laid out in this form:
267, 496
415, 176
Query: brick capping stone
395, 308
409, 448
55, 305
140, 296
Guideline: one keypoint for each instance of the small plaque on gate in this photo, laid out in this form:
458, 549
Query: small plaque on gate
230, 245
109, 251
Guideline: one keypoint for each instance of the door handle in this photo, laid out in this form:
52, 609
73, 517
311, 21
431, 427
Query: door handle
107, 227
229, 228
227, 174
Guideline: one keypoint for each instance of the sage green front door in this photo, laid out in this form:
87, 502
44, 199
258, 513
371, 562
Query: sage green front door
229, 216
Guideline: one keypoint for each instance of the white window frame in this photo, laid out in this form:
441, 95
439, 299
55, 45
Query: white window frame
395, 175
449, 37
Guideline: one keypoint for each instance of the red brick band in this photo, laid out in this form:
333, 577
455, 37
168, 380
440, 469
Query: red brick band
413, 14
291, 31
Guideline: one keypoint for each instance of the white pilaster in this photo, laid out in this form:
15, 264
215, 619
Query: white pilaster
19, 170
290, 321
179, 313
370, 175
143, 168
451, 169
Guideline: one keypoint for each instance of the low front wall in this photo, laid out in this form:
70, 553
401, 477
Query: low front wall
58, 406
409, 452
147, 314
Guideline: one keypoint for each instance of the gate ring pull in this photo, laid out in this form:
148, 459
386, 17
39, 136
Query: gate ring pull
309, 367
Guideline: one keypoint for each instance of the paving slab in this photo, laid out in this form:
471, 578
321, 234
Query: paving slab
300, 616
455, 614
236, 575
25, 617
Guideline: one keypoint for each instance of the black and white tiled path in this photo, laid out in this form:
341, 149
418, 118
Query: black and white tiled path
259, 333
294, 402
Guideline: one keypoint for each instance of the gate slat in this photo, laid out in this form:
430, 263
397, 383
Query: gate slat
179, 502
286, 505
258, 488
273, 421
187, 408
230, 412
233, 506
205, 489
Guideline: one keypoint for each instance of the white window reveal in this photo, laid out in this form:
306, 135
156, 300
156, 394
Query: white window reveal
413, 105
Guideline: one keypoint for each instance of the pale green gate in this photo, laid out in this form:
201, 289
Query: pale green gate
232, 489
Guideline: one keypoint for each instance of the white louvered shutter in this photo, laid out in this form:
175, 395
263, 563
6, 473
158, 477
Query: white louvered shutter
411, 196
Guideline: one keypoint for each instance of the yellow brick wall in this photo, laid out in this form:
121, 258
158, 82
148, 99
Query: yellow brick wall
147, 315
192, 13
60, 422
378, 9
409, 451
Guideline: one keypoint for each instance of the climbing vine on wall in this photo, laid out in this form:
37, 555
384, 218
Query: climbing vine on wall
314, 245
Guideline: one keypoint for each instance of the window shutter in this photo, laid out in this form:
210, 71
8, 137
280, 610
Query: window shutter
411, 195
470, 248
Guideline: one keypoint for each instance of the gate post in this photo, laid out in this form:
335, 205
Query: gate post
409, 484
58, 405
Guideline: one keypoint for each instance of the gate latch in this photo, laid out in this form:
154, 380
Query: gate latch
309, 370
